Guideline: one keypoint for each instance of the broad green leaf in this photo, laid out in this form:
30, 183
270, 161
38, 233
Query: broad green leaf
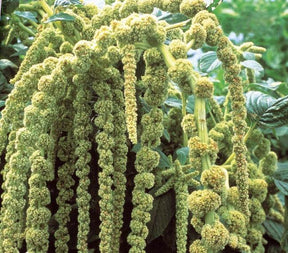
270, 85
220, 99
27, 15
60, 17
209, 62
20, 49
173, 18
164, 160
166, 135
173, 102
281, 178
3, 80
177, 103
248, 56
274, 229
257, 104
161, 214
190, 104
182, 154
136, 147
251, 64
212, 4
276, 115
2, 103
5, 63
66, 2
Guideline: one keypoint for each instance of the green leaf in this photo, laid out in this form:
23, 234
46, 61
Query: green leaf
5, 63
27, 15
190, 104
248, 56
177, 103
164, 160
270, 85
251, 64
173, 18
276, 115
20, 49
209, 62
214, 5
166, 135
3, 80
161, 214
281, 178
257, 104
274, 229
2, 103
66, 2
60, 17
173, 102
136, 147
182, 154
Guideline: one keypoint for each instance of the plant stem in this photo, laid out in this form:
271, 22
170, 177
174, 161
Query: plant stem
142, 45
168, 57
200, 116
226, 103
33, 23
33, 6
190, 44
180, 24
46, 7
184, 103
9, 36
26, 29
246, 137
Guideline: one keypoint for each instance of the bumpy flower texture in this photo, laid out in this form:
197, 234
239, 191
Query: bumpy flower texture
89, 125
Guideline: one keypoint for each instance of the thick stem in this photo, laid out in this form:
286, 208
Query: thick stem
46, 7
168, 57
226, 103
184, 103
26, 29
177, 25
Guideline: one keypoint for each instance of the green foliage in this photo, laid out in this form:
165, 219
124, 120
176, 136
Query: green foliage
123, 122
249, 19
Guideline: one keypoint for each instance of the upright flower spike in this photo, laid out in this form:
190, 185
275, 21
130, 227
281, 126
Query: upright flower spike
130, 91
179, 179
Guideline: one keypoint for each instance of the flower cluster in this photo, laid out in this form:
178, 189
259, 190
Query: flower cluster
92, 91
